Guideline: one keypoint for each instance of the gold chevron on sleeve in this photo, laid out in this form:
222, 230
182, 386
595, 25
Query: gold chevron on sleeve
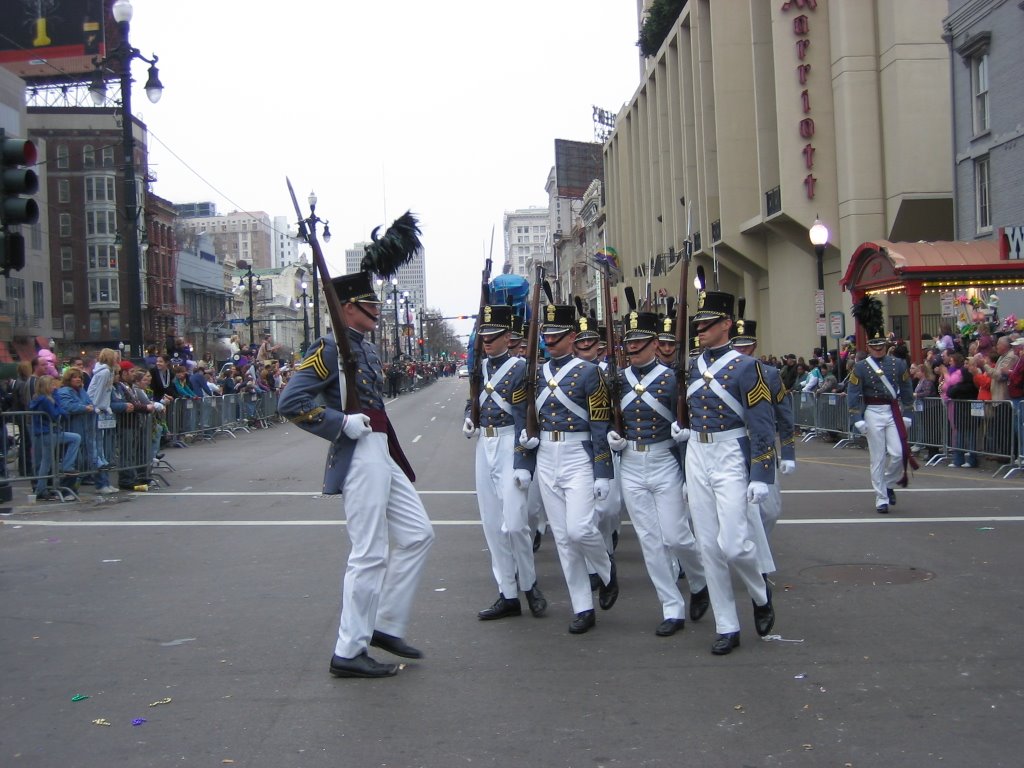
766, 456
759, 392
598, 405
854, 378
598, 458
519, 396
315, 361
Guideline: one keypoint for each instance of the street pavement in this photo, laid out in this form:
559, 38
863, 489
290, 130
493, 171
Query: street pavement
897, 641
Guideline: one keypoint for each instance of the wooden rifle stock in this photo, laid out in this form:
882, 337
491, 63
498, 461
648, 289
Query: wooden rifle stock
350, 396
683, 342
612, 377
532, 353
476, 374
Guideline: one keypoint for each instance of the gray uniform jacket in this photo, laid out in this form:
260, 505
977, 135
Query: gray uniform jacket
783, 406
312, 400
865, 384
584, 387
743, 383
511, 390
641, 421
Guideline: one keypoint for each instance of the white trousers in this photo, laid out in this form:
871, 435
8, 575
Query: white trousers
716, 482
652, 485
503, 515
609, 510
771, 508
566, 476
535, 507
381, 577
885, 450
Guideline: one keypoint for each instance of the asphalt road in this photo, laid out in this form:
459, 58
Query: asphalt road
898, 637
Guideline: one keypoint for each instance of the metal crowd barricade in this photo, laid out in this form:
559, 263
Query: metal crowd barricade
803, 414
134, 448
929, 428
832, 418
22, 453
1016, 462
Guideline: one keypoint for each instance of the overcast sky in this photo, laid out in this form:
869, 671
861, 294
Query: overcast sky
449, 109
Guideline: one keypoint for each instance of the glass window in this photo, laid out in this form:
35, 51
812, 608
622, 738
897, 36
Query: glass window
67, 291
15, 288
88, 156
108, 157
982, 185
66, 258
38, 301
64, 191
95, 324
103, 289
99, 189
100, 223
65, 224
114, 325
69, 325
979, 83
103, 256
62, 155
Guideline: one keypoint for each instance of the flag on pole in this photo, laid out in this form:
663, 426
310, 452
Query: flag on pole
608, 255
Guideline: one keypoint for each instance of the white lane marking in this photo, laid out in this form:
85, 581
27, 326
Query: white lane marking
416, 439
284, 523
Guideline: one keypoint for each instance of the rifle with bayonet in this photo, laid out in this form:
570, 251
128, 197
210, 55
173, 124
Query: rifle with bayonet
682, 339
532, 354
347, 368
476, 372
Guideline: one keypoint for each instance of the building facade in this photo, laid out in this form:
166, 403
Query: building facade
986, 62
239, 235
527, 239
747, 127
286, 243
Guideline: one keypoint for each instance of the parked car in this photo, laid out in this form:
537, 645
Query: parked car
464, 372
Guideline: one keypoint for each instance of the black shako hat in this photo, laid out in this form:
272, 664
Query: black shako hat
714, 305
557, 318
357, 287
517, 327
667, 328
495, 319
586, 329
744, 332
639, 326
694, 338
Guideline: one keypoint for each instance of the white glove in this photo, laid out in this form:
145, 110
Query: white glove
601, 488
356, 425
467, 428
787, 466
679, 434
907, 421
756, 492
686, 496
529, 443
859, 426
522, 478
615, 441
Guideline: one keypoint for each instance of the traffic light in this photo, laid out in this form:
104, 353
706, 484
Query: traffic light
419, 341
15, 181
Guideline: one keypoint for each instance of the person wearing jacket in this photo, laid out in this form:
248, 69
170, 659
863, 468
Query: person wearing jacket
100, 387
48, 437
75, 400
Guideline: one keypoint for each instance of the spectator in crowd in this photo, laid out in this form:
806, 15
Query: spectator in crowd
197, 380
812, 381
788, 371
150, 357
267, 350
945, 342
960, 390
74, 399
144, 393
100, 388
180, 384
48, 438
88, 366
162, 378
829, 383
999, 371
129, 439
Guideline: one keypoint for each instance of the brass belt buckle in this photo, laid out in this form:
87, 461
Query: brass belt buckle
491, 431
704, 437
556, 436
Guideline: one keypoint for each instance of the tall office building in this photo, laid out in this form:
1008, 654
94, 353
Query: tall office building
239, 235
412, 277
286, 243
527, 238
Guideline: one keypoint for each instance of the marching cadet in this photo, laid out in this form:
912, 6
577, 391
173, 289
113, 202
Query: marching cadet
504, 468
745, 342
364, 463
652, 477
730, 459
516, 347
665, 346
588, 346
875, 389
573, 462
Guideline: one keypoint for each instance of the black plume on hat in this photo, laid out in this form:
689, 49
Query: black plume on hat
399, 244
868, 312
741, 307
701, 279
670, 305
630, 298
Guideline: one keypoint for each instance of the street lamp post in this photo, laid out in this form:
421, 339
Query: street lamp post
312, 221
249, 275
819, 239
394, 293
304, 303
123, 54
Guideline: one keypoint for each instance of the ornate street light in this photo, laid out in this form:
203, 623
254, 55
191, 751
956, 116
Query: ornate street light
819, 239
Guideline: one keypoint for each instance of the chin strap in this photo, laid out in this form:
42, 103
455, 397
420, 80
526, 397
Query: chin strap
359, 306
644, 346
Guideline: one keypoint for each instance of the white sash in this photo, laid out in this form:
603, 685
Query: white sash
888, 385
707, 376
498, 376
646, 397
556, 379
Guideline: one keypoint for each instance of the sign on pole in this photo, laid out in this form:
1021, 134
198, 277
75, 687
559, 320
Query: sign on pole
837, 324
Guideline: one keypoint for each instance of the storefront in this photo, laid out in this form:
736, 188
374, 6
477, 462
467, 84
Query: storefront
960, 283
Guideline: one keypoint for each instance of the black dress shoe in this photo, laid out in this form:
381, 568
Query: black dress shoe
502, 607
669, 627
536, 600
584, 620
764, 615
699, 604
395, 645
882, 509
361, 666
892, 496
725, 643
609, 592
538, 537
595, 582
